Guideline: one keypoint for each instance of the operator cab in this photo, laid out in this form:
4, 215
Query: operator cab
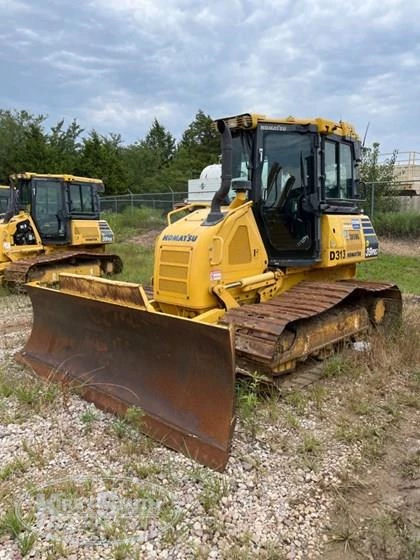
54, 200
298, 170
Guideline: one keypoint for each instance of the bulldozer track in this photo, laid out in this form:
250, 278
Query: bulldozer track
261, 329
19, 272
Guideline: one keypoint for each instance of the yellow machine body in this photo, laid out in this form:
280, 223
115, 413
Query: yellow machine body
192, 262
257, 286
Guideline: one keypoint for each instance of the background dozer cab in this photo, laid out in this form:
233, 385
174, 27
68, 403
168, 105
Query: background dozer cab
51, 225
272, 276
4, 200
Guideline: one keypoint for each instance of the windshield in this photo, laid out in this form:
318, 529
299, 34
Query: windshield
284, 159
287, 162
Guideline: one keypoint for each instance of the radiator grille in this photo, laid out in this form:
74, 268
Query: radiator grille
173, 272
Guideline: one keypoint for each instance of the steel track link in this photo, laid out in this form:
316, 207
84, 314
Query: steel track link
261, 328
19, 272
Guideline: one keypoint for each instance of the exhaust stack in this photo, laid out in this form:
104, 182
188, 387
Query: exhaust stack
216, 214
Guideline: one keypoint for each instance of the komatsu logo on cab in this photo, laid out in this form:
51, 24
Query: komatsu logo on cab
188, 238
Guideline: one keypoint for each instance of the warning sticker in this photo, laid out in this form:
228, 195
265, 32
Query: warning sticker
215, 275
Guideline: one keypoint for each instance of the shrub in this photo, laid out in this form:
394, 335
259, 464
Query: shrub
133, 220
398, 224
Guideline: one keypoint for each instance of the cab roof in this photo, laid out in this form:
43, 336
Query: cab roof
324, 126
68, 178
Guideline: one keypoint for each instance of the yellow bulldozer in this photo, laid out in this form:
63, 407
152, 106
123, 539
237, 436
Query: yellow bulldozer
51, 224
259, 286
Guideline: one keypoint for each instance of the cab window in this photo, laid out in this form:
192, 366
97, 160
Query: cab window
81, 196
339, 178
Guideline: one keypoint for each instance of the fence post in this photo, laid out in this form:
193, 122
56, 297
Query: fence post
173, 197
372, 200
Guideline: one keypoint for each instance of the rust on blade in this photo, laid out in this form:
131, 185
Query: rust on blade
178, 372
264, 332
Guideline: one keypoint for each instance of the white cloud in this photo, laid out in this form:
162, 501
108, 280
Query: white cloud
118, 110
118, 63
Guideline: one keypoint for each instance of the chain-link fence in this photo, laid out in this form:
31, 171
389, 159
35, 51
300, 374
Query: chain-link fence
163, 202
405, 199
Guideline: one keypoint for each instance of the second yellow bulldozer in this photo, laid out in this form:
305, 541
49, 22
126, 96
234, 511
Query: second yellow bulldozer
51, 224
257, 286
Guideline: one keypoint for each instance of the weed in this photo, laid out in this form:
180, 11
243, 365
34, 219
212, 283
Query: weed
27, 391
248, 393
291, 420
87, 418
348, 431
317, 395
214, 488
120, 428
338, 365
142, 470
16, 466
310, 445
25, 542
345, 533
298, 400
173, 529
121, 551
410, 468
278, 442
35, 453
14, 522
58, 548
134, 415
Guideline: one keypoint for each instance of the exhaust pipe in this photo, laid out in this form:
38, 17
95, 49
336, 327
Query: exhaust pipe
215, 214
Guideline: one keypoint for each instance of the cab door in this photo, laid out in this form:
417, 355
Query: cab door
287, 175
47, 210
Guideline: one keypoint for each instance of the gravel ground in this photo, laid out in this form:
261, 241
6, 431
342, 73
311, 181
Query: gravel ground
80, 483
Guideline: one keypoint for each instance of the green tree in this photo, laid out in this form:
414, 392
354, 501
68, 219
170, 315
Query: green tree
101, 157
64, 147
147, 160
199, 147
23, 143
378, 178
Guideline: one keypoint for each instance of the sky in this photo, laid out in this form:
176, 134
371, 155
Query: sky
115, 65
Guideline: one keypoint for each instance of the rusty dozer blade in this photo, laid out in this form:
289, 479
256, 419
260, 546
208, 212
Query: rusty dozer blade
180, 373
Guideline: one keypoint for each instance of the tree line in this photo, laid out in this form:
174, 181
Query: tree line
152, 164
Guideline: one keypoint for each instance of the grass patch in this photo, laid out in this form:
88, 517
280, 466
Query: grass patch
398, 224
15, 523
133, 221
138, 262
404, 271
28, 391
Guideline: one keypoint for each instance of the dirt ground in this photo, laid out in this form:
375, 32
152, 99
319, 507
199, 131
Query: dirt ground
377, 512
401, 247
146, 239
